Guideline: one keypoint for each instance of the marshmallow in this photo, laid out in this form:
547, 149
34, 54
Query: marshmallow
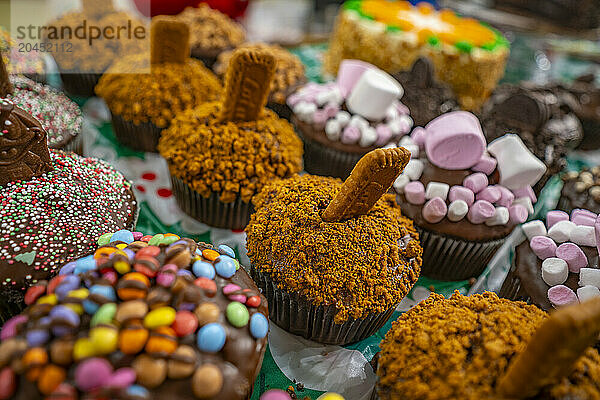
391, 113
561, 295
526, 191
331, 110
554, 271
490, 194
418, 135
487, 165
552, 217
406, 140
525, 202
454, 140
597, 232
506, 196
413, 148
480, 211
384, 134
396, 127
589, 276
358, 121
461, 193
414, 169
573, 255
434, 210
457, 210
350, 134
583, 217
500, 217
406, 123
373, 93
349, 73
401, 181
583, 235
561, 231
319, 118
534, 228
323, 97
414, 192
333, 130
343, 117
587, 292
517, 166
305, 111
476, 182
518, 214
543, 247
437, 189
368, 137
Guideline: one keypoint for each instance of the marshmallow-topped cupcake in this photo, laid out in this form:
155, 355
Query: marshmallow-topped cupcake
464, 195
341, 121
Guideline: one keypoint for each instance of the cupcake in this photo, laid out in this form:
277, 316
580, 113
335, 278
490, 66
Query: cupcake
544, 119
484, 347
340, 122
586, 94
81, 62
558, 262
463, 199
221, 154
154, 318
52, 203
289, 75
19, 61
580, 190
211, 32
334, 260
143, 104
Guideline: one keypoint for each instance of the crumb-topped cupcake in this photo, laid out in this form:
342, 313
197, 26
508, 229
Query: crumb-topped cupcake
221, 154
289, 75
52, 204
342, 121
334, 260
464, 195
28, 63
211, 32
143, 104
581, 189
484, 347
144, 317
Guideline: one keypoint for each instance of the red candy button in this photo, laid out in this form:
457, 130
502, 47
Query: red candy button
34, 293
253, 301
209, 286
185, 323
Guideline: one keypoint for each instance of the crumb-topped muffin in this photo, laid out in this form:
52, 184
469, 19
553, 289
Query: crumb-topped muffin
458, 348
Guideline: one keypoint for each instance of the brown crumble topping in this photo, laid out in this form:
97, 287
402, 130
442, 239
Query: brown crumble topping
289, 72
233, 159
586, 180
158, 96
360, 265
457, 348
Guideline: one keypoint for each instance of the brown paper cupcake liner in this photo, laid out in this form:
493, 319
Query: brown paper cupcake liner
299, 316
211, 211
511, 287
140, 137
78, 84
452, 259
282, 110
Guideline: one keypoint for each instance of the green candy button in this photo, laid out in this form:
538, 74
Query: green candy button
237, 314
156, 239
104, 239
104, 315
169, 239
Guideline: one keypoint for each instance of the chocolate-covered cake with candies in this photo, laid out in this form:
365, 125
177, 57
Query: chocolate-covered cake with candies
51, 204
143, 317
464, 195
581, 189
558, 262
342, 121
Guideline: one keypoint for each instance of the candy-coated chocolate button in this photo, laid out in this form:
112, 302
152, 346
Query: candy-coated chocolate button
225, 266
259, 326
210, 255
237, 314
253, 301
227, 250
162, 316
211, 338
207, 381
185, 323
204, 269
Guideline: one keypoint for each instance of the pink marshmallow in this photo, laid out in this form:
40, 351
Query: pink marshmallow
526, 191
461, 193
580, 216
331, 110
434, 210
350, 134
487, 165
418, 136
320, 117
490, 193
401, 108
552, 217
517, 214
476, 182
349, 73
597, 232
480, 211
543, 247
506, 196
293, 99
384, 134
414, 192
561, 295
573, 255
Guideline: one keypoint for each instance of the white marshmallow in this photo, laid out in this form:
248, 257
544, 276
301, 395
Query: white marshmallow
305, 111
555, 271
413, 148
395, 126
457, 210
500, 217
437, 189
358, 121
391, 113
406, 141
534, 228
343, 117
368, 136
406, 119
587, 292
414, 169
323, 97
517, 165
336, 96
589, 276
374, 92
400, 182
583, 235
560, 232
525, 202
333, 130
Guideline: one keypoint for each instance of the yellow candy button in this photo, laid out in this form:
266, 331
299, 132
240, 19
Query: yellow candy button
48, 299
163, 316
330, 396
121, 246
83, 348
104, 339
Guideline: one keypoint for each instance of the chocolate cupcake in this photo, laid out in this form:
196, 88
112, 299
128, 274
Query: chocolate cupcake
544, 119
52, 204
558, 263
289, 75
221, 154
341, 122
484, 347
153, 318
334, 260
424, 95
28, 63
143, 104
580, 190
464, 201
211, 33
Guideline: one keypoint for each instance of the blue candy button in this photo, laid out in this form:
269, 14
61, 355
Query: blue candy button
84, 264
225, 266
122, 236
203, 269
211, 338
227, 250
259, 326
